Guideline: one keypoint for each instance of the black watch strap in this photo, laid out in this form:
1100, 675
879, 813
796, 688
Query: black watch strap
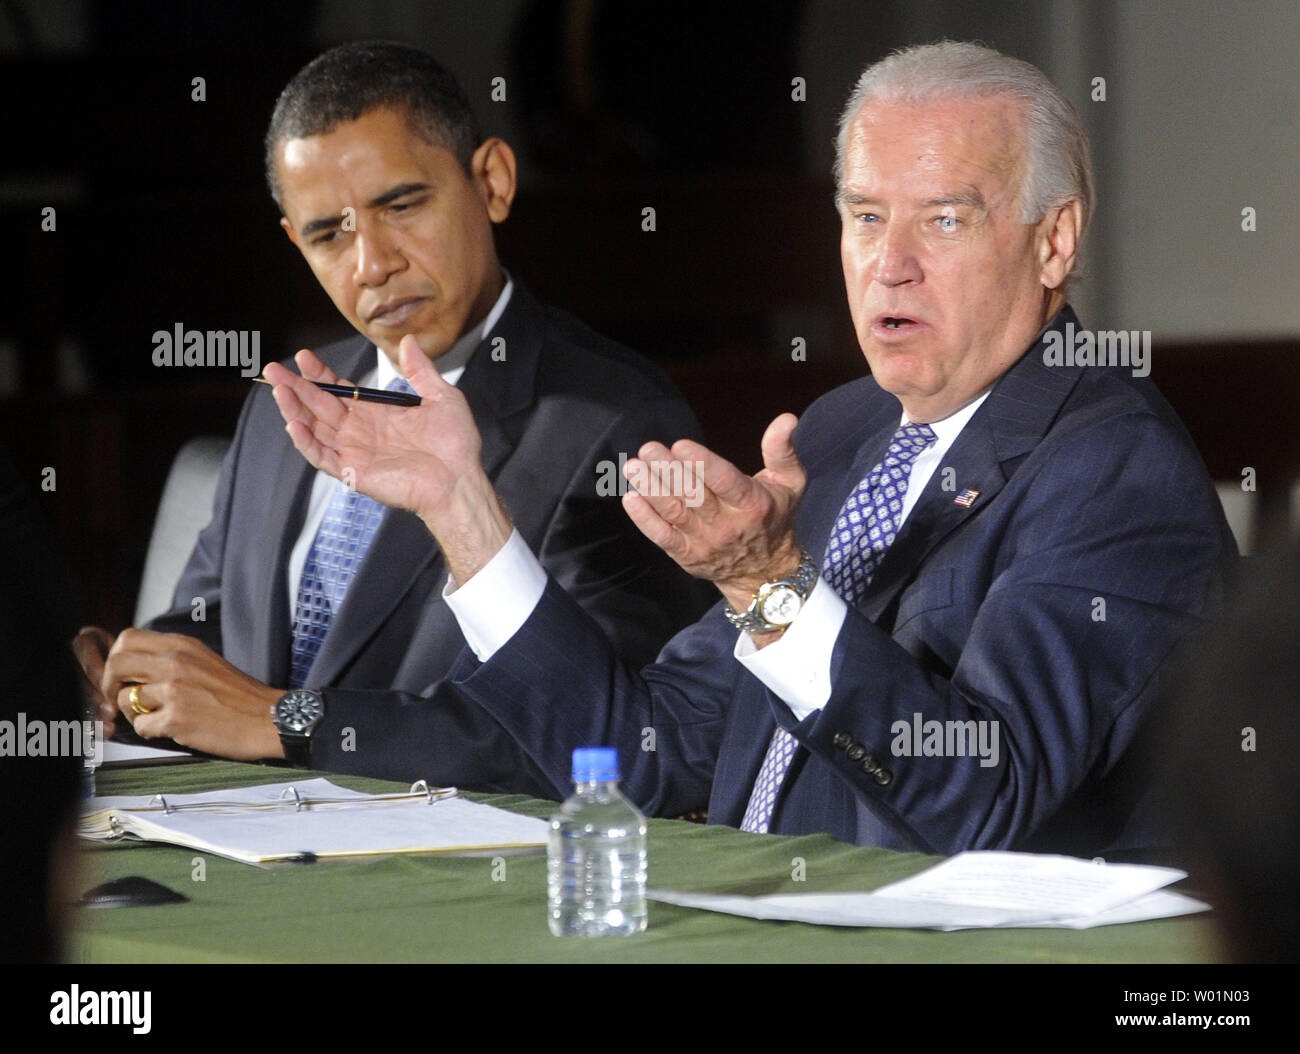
297, 749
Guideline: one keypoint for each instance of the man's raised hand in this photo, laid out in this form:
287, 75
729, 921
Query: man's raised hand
406, 457
735, 530
425, 459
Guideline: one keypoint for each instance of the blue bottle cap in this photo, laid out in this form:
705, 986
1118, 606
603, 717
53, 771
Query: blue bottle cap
595, 764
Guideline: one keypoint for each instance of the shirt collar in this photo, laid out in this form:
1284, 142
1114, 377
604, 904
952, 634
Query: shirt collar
451, 363
950, 427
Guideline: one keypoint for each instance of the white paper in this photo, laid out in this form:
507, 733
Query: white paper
116, 753
1047, 886
977, 890
362, 824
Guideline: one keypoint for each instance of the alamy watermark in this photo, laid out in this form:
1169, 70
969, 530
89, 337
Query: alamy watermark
209, 347
677, 479
1102, 347
38, 738
75, 1007
946, 739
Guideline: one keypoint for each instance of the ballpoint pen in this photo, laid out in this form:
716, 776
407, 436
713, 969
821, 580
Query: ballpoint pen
366, 395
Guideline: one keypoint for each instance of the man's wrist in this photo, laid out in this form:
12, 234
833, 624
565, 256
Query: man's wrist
269, 744
740, 593
470, 528
771, 609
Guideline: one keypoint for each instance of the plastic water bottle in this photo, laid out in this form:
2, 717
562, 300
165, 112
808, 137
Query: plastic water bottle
595, 861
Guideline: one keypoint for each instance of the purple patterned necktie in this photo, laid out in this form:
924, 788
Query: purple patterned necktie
350, 524
866, 526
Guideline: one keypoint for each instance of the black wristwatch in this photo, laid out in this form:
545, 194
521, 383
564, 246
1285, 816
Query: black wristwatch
296, 715
776, 604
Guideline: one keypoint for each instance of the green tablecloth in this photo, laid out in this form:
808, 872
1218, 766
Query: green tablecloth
442, 908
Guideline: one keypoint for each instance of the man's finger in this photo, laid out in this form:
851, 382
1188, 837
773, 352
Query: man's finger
418, 370
652, 525
329, 409
318, 455
148, 725
671, 488
135, 657
715, 474
120, 675
308, 433
291, 407
314, 370
779, 457
145, 641
300, 400
90, 647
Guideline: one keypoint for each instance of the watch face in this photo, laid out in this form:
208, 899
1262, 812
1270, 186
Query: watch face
780, 606
299, 710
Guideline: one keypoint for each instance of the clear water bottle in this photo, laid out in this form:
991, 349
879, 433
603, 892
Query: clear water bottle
595, 862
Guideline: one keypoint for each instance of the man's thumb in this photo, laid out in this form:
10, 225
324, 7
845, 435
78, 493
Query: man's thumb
416, 367
778, 452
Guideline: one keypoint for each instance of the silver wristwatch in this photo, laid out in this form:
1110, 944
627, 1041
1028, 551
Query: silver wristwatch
776, 604
296, 715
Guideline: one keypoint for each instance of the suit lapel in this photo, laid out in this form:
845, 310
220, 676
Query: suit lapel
292, 477
271, 616
1013, 420
1018, 412
500, 381
828, 489
497, 389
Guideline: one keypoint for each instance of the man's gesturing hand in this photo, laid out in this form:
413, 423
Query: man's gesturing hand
426, 458
191, 694
735, 530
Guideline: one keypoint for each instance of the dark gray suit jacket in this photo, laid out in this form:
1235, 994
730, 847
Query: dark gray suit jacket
563, 400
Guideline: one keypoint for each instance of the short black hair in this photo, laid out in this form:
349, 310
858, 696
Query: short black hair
353, 79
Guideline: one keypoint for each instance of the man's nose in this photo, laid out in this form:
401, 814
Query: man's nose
897, 261
377, 256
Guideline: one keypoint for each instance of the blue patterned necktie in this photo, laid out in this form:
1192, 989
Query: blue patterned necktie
350, 524
866, 526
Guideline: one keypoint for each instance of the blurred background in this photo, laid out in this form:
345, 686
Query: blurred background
161, 217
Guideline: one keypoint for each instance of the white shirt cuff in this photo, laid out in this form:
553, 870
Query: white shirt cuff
797, 667
492, 605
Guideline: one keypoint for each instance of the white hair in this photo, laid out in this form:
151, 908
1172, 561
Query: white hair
1058, 161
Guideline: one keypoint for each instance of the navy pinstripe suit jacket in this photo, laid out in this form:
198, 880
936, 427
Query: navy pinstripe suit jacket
1049, 605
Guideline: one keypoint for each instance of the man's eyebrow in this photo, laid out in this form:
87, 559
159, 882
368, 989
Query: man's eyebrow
848, 197
329, 223
969, 200
959, 199
399, 191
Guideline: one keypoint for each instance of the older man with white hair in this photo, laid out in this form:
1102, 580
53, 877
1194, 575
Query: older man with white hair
948, 595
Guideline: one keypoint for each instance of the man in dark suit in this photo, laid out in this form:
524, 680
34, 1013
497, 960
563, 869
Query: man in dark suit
390, 194
955, 582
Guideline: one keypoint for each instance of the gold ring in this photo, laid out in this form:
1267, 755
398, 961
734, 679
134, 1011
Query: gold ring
133, 697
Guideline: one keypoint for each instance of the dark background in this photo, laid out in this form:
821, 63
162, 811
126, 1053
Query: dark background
163, 216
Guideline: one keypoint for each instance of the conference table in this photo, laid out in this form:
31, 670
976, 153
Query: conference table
492, 908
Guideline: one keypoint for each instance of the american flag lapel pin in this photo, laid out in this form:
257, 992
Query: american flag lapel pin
966, 498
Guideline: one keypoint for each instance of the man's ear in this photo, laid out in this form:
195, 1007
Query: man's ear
287, 227
493, 169
1058, 237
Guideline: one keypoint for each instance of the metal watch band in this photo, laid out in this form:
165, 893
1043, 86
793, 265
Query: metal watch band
801, 582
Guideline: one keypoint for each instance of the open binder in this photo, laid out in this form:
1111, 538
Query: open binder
311, 818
